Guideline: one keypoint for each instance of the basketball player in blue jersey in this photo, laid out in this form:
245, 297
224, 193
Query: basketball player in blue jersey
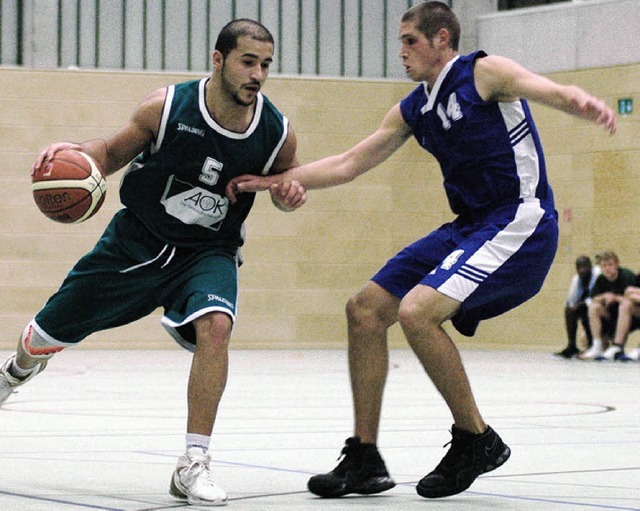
470, 112
175, 244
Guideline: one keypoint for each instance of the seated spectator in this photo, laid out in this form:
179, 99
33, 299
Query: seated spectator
575, 310
605, 297
628, 320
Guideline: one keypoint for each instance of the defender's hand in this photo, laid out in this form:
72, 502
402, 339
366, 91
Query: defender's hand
246, 183
288, 195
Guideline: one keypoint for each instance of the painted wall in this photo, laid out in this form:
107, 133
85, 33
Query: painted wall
566, 36
301, 267
316, 37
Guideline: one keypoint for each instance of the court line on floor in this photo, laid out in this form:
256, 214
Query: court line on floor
556, 501
58, 501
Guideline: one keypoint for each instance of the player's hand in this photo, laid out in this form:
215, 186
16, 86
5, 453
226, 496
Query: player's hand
246, 183
586, 106
601, 114
47, 153
288, 195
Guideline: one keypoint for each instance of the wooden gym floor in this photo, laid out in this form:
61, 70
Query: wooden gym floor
101, 430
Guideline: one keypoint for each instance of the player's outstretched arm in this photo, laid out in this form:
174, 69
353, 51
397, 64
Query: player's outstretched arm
502, 79
337, 169
118, 149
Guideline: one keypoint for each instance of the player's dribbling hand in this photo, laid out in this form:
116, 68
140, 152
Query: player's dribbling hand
47, 153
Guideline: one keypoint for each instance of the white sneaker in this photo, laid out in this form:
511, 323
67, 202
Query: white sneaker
634, 354
8, 382
591, 354
613, 352
192, 480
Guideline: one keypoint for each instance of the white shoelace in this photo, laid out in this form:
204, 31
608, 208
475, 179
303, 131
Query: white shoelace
197, 469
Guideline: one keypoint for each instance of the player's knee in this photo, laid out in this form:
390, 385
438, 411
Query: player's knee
37, 346
213, 344
213, 330
359, 310
425, 309
409, 315
367, 311
352, 308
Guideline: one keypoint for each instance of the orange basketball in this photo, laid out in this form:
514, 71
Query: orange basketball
70, 188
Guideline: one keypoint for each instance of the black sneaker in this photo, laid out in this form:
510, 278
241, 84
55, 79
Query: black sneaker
568, 352
469, 456
361, 470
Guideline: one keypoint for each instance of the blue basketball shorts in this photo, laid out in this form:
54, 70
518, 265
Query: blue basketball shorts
128, 275
491, 263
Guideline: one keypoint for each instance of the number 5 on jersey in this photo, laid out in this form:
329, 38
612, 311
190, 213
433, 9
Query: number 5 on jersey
211, 170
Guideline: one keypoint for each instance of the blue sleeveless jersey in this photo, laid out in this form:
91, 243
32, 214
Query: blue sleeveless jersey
489, 152
177, 186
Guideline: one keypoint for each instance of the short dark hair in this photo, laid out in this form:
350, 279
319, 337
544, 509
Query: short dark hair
232, 31
583, 260
430, 17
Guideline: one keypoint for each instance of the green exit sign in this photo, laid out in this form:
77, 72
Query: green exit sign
625, 106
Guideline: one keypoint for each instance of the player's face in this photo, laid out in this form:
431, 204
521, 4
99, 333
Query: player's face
419, 54
610, 269
245, 69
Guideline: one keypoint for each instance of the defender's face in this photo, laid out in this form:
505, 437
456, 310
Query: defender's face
245, 69
419, 55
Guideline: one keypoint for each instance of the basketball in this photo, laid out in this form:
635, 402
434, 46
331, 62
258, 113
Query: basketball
70, 188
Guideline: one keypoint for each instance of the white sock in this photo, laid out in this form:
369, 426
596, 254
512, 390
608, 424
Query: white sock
18, 372
597, 344
199, 441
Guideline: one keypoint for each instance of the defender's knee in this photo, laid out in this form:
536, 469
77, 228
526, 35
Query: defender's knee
353, 308
424, 310
372, 309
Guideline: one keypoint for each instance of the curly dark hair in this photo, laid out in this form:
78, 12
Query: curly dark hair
228, 37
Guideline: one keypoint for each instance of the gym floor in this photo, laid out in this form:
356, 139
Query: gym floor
102, 430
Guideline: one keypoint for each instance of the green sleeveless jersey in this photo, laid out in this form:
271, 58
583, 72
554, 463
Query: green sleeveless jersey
177, 186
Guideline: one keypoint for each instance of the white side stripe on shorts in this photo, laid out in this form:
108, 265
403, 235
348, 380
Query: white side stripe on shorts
150, 261
494, 253
473, 273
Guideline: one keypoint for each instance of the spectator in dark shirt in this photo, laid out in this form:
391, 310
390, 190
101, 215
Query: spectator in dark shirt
606, 295
628, 320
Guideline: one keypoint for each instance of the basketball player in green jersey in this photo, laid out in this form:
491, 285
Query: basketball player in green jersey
175, 243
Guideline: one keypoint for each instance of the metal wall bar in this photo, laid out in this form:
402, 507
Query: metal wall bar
342, 38
332, 37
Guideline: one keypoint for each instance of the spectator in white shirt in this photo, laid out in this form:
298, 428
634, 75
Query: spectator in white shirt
576, 307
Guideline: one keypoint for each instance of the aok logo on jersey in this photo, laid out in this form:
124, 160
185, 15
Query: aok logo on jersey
194, 205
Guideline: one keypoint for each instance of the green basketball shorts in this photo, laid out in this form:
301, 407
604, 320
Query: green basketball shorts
128, 275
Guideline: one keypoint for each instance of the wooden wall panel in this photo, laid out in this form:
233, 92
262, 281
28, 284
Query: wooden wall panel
302, 267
